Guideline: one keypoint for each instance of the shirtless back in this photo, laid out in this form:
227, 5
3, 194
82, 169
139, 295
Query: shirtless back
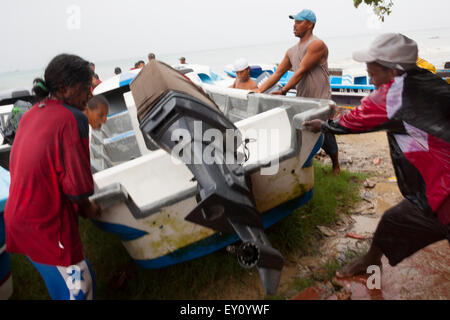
250, 84
243, 80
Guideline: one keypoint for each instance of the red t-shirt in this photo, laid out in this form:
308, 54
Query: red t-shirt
49, 165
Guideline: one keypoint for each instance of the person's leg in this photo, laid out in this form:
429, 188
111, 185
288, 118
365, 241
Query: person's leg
331, 149
360, 265
402, 231
335, 162
75, 282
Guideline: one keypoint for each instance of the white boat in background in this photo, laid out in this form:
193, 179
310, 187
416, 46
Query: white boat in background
200, 74
256, 69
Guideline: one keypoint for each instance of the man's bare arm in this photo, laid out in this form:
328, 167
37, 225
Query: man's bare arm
314, 54
88, 209
282, 68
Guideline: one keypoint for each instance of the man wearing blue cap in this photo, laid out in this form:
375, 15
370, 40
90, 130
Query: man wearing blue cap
309, 61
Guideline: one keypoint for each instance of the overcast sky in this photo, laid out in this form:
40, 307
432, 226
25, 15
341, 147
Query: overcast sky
32, 32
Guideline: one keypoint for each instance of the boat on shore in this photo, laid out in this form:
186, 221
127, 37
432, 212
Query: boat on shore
151, 199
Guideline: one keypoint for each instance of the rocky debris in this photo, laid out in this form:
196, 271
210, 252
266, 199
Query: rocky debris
355, 288
337, 248
369, 184
346, 161
365, 208
344, 294
364, 225
355, 236
311, 293
344, 220
319, 291
367, 196
392, 179
377, 161
312, 262
304, 271
327, 231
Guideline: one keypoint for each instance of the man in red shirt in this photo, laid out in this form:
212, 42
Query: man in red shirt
51, 180
412, 105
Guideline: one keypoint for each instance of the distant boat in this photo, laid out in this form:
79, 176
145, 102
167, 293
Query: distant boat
346, 89
444, 73
350, 89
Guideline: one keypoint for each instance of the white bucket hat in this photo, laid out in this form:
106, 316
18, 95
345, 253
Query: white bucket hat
391, 50
240, 64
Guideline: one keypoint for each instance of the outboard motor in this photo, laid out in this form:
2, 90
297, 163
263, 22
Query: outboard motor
179, 117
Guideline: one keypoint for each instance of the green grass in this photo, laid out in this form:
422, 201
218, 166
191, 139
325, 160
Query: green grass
302, 283
327, 271
331, 193
118, 277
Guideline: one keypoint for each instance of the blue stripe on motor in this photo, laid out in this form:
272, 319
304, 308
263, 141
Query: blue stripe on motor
125, 233
317, 146
5, 266
217, 241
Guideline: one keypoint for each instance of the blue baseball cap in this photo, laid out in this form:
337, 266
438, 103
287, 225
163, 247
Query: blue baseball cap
305, 14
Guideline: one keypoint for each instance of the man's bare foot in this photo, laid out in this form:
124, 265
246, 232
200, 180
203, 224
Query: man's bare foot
336, 171
356, 267
335, 163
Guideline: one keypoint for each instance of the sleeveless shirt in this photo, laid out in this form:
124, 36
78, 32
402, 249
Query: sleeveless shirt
316, 82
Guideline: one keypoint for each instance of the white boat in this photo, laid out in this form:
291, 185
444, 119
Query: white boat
147, 194
256, 69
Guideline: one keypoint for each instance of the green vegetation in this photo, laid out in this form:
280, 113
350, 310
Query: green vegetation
327, 272
118, 277
331, 195
302, 283
381, 8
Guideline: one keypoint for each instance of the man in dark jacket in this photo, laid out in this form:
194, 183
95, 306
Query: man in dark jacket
413, 106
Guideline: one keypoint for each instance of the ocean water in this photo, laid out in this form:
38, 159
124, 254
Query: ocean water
434, 46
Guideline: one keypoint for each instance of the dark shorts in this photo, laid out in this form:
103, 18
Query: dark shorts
404, 230
329, 143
